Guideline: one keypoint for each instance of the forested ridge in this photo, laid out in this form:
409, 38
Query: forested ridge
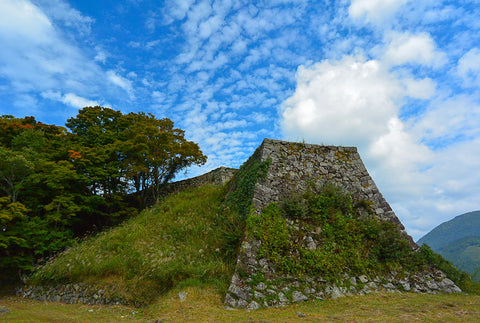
59, 183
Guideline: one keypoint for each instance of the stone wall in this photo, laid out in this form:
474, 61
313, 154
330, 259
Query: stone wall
294, 168
218, 176
70, 294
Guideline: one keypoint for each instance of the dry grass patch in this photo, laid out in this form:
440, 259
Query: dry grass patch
204, 304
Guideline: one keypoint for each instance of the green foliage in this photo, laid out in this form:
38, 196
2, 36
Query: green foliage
461, 278
187, 237
348, 240
15, 168
332, 203
458, 240
24, 239
271, 228
68, 184
136, 151
464, 253
243, 184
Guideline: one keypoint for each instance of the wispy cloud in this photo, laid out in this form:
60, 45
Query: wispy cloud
357, 101
121, 82
417, 49
375, 11
70, 99
469, 68
43, 59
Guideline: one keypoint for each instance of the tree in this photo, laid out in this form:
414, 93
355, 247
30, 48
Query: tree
14, 170
95, 131
155, 152
129, 152
55, 184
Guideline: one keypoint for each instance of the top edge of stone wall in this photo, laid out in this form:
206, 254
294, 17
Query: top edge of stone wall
307, 145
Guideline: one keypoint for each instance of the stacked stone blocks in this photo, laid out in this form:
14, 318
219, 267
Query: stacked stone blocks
293, 169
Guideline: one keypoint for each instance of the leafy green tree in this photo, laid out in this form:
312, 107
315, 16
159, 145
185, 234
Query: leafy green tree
155, 152
129, 152
95, 131
10, 241
55, 184
14, 170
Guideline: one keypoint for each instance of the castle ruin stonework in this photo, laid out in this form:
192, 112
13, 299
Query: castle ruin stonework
293, 168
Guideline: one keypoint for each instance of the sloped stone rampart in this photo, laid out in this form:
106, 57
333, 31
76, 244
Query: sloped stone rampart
293, 169
218, 176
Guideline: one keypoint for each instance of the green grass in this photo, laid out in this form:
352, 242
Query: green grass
203, 304
352, 241
188, 237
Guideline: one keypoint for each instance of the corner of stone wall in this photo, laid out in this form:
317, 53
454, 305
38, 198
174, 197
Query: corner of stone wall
292, 167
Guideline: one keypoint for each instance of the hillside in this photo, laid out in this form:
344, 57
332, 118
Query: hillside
465, 254
188, 238
458, 240
462, 226
332, 234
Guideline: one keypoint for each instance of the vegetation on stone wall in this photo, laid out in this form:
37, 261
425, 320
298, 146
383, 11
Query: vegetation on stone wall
345, 240
243, 184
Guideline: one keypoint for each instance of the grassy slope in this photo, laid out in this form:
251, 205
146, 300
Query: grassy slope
204, 304
186, 238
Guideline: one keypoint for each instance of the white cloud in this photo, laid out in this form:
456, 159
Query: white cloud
77, 101
150, 24
101, 55
35, 56
469, 67
69, 17
152, 44
341, 102
121, 82
450, 188
70, 99
419, 89
393, 145
449, 120
25, 21
374, 10
407, 48
210, 26
176, 10
233, 124
356, 102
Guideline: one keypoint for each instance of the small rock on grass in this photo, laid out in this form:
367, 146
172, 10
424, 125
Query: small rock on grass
182, 296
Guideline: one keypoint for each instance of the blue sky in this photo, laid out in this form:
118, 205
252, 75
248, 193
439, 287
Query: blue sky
399, 79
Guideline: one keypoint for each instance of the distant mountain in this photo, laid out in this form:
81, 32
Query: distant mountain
458, 241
